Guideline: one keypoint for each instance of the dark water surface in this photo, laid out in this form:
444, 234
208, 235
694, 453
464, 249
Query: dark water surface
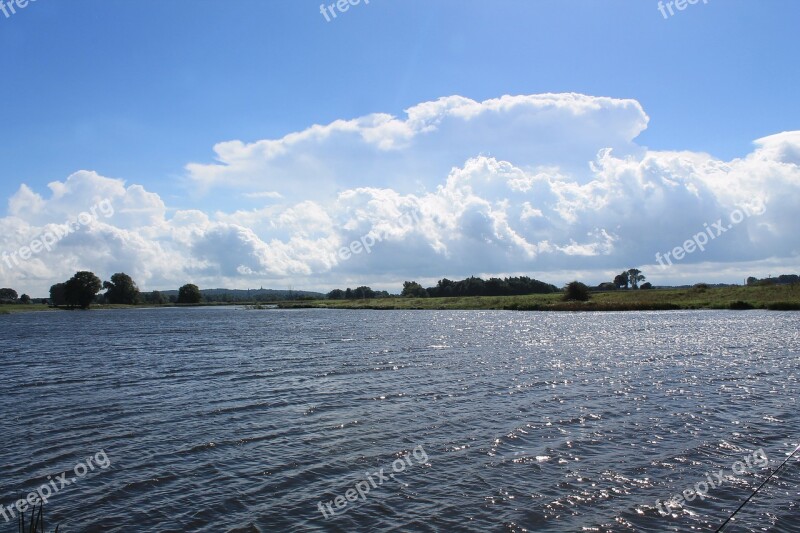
231, 420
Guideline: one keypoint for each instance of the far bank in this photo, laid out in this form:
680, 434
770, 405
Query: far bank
778, 297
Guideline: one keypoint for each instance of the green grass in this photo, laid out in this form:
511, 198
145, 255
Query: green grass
786, 297
7, 309
777, 298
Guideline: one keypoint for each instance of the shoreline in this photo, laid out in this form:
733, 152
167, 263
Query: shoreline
774, 298
740, 298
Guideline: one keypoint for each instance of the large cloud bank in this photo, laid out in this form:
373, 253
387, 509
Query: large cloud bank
550, 185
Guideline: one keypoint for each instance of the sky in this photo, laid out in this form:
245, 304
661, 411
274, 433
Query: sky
266, 143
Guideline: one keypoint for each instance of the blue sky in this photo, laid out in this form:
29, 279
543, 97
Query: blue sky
137, 90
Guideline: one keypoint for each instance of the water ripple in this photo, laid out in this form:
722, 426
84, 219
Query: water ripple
224, 420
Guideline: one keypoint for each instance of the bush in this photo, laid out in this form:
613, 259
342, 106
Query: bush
607, 286
784, 306
576, 291
647, 286
739, 305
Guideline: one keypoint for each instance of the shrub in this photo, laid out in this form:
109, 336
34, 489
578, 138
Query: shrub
784, 306
576, 291
739, 305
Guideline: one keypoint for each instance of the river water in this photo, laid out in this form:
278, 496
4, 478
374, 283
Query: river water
225, 419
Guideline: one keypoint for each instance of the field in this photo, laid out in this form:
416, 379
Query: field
769, 297
7, 309
776, 297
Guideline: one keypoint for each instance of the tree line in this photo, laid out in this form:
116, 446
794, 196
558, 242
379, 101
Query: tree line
359, 293
474, 286
82, 289
783, 279
9, 296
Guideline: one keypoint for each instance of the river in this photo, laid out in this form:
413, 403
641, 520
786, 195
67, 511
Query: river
226, 419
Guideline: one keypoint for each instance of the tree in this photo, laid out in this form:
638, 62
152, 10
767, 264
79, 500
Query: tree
646, 286
492, 287
121, 290
621, 280
495, 287
58, 294
412, 289
336, 294
8, 295
189, 294
25, 299
81, 289
363, 293
155, 297
635, 276
444, 287
576, 290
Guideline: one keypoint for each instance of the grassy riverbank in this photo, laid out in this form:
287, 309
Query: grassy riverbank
772, 297
7, 309
783, 297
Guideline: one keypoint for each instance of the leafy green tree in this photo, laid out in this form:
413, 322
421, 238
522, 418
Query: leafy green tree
157, 298
646, 286
607, 286
189, 294
81, 289
492, 287
363, 293
495, 287
25, 299
336, 294
576, 290
622, 281
635, 276
121, 290
412, 289
58, 294
8, 295
444, 288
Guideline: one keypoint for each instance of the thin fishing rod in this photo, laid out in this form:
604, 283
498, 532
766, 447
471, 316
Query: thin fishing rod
773, 474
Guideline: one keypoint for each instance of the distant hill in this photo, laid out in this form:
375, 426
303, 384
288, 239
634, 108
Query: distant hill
252, 295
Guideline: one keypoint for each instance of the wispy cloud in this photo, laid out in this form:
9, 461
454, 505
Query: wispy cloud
272, 195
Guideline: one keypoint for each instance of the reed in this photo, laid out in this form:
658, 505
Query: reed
36, 524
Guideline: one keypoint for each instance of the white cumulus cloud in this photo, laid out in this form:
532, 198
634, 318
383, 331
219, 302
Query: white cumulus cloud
547, 185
